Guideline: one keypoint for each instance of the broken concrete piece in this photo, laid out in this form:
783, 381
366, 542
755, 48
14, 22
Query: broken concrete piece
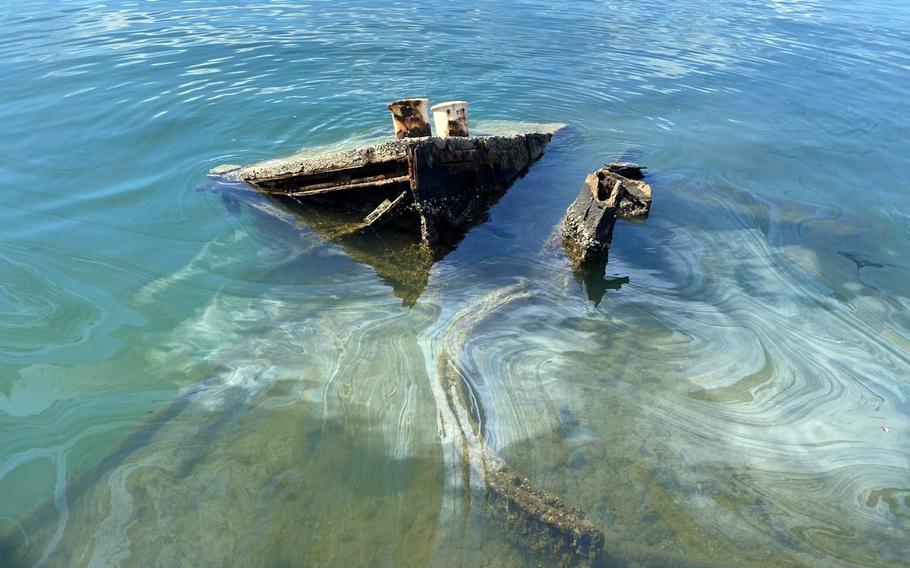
606, 195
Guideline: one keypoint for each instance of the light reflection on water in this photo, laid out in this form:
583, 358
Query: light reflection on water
187, 382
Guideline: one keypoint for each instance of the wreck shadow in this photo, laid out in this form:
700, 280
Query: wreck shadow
593, 278
398, 256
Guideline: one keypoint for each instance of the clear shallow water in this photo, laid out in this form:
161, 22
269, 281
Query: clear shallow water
188, 383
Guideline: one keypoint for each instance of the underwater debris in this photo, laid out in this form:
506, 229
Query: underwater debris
542, 521
538, 520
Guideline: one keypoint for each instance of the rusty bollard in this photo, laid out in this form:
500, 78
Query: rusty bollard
451, 118
411, 117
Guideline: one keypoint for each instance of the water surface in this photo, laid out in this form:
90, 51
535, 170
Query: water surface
190, 382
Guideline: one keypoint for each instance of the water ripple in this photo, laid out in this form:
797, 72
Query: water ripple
742, 398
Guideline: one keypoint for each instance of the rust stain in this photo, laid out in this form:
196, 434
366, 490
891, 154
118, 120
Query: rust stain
457, 122
408, 119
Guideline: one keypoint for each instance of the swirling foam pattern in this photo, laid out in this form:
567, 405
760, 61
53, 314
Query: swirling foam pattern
39, 315
188, 381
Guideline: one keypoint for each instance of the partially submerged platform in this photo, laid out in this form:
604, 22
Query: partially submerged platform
432, 187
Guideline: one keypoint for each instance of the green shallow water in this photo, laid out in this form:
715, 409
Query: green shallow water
187, 380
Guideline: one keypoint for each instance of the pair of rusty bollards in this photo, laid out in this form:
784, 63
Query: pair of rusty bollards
411, 118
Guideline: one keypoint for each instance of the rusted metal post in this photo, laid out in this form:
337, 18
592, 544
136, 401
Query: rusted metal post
451, 119
410, 117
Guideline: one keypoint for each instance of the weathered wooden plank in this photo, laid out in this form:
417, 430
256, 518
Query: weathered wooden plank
387, 210
320, 189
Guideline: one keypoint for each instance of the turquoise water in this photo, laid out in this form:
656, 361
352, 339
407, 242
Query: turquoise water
190, 382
